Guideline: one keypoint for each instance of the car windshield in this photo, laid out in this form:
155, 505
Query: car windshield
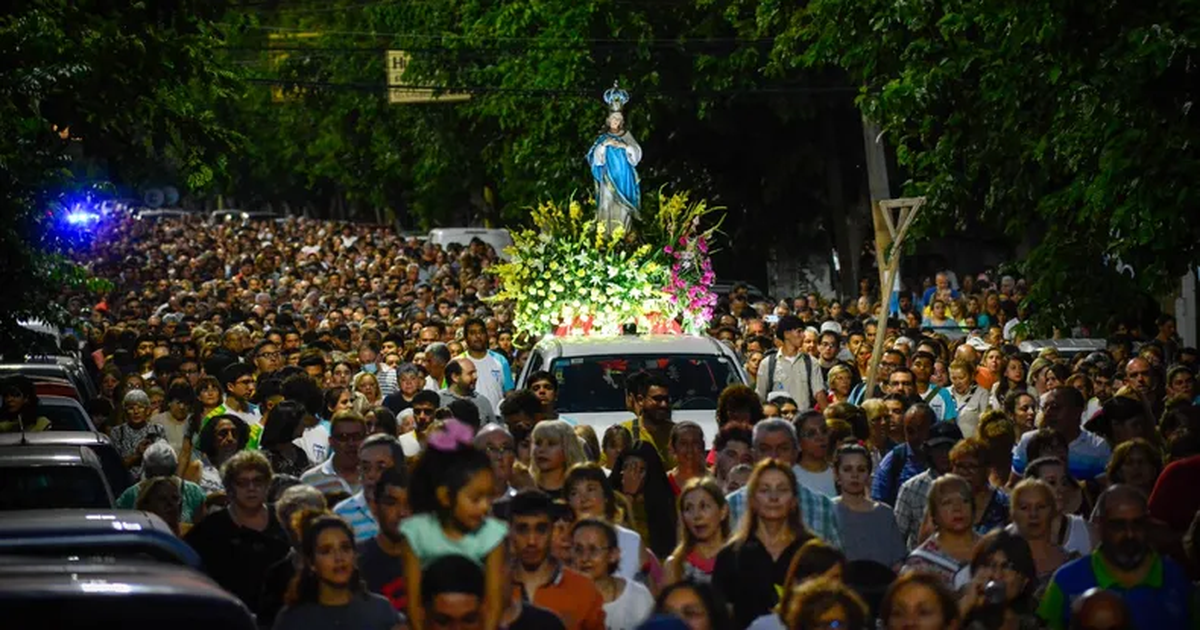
64, 417
597, 383
50, 487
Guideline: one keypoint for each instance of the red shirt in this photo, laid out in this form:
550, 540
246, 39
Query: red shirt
1174, 499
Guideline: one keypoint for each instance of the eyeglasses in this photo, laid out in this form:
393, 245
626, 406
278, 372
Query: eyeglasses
499, 451
270, 355
580, 551
419, 411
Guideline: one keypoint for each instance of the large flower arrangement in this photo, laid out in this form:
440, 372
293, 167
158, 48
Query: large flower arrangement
571, 275
689, 288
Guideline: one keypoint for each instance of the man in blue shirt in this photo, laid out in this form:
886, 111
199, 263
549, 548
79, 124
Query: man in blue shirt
907, 460
1157, 591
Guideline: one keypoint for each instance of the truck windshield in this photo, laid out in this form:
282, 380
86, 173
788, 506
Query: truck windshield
597, 383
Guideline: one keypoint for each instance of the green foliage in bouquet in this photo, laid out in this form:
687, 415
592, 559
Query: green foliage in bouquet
571, 274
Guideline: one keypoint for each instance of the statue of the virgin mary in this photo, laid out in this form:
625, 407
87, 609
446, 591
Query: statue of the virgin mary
613, 158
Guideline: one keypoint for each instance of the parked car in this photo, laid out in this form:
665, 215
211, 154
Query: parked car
98, 444
54, 386
64, 368
95, 533
52, 476
89, 594
591, 375
498, 238
65, 414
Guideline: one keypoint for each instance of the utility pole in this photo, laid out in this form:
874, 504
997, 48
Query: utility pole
890, 230
897, 216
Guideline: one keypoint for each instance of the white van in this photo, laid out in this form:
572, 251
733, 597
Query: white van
498, 238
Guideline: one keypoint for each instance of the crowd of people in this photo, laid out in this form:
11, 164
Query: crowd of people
327, 415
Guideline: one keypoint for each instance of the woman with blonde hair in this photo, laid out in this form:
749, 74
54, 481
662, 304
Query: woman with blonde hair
703, 529
556, 449
367, 393
840, 382
949, 550
761, 549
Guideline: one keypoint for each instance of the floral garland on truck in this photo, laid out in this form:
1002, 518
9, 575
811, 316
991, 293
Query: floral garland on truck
571, 275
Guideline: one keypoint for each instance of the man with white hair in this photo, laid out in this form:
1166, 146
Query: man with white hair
160, 460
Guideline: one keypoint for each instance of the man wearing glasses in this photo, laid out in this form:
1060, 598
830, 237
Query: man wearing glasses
891, 360
267, 358
338, 477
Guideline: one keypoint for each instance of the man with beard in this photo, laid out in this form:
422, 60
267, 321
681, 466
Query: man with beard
1156, 590
653, 423
462, 377
379, 558
542, 579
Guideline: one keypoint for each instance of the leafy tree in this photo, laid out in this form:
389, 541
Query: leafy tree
709, 116
1069, 120
92, 94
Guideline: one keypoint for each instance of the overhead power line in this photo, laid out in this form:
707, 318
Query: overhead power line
585, 92
501, 38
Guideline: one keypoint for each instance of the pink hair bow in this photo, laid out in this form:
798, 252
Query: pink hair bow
453, 435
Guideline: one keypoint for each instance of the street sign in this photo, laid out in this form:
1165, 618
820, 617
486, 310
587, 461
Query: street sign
397, 63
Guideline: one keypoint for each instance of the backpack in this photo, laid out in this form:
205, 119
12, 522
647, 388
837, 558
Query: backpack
772, 360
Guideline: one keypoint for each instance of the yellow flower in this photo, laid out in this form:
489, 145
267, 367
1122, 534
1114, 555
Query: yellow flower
576, 211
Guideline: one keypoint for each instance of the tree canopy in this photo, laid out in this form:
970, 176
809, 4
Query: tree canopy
1070, 121
95, 92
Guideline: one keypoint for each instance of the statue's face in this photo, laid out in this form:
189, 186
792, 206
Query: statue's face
616, 122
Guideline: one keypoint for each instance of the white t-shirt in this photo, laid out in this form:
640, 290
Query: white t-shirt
821, 483
491, 378
630, 609
314, 443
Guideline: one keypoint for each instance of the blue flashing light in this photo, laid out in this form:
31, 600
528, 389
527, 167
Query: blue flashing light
82, 217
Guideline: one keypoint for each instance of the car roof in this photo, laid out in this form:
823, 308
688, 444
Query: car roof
77, 529
49, 438
25, 455
570, 347
117, 591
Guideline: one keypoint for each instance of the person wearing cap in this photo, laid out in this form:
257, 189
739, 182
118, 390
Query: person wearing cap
160, 461
914, 494
790, 369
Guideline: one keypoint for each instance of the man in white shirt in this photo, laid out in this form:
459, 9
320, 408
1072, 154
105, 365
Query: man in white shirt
495, 375
790, 370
